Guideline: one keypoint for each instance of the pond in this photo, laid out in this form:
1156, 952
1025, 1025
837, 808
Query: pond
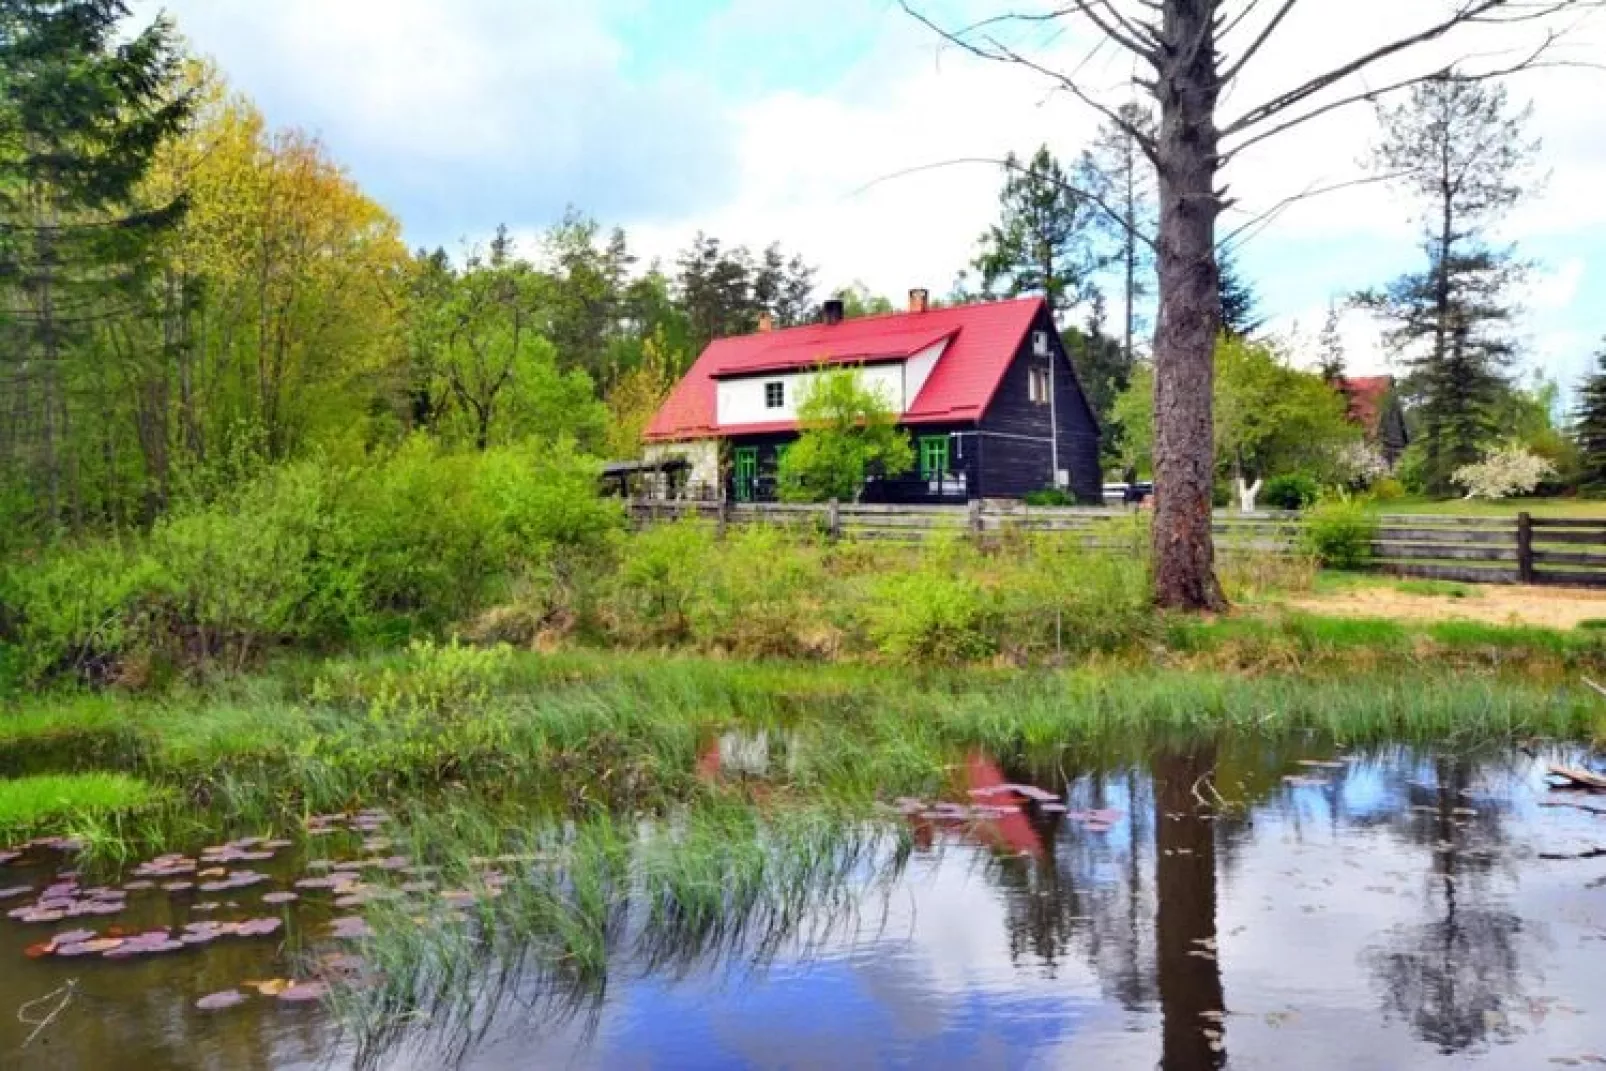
1237, 904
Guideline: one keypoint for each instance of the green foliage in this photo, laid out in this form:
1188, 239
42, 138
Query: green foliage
1043, 241
849, 433
1051, 496
310, 555
50, 802
1388, 489
931, 614
1463, 152
1270, 417
1340, 534
1293, 491
1589, 424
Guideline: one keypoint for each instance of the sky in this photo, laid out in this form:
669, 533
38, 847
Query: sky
814, 123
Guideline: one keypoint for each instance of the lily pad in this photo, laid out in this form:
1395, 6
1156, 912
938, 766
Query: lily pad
229, 998
259, 928
15, 891
277, 898
350, 928
270, 988
305, 992
73, 937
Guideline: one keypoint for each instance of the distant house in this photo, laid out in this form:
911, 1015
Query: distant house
986, 392
1375, 407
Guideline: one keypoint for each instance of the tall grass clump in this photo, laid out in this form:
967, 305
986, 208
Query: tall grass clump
50, 802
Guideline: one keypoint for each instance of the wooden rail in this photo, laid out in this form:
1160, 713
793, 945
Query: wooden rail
1502, 550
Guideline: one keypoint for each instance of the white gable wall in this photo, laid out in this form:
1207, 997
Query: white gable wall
741, 401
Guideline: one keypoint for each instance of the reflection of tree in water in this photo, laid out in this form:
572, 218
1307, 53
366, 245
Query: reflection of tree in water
1453, 976
1087, 895
1150, 935
1191, 999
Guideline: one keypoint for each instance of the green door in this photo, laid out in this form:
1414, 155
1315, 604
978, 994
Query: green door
933, 457
746, 473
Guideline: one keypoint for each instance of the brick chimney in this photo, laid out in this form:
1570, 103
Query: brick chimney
766, 323
834, 311
919, 300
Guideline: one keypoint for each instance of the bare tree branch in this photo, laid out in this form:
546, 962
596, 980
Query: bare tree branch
1261, 220
1467, 12
1013, 165
997, 52
1522, 66
1259, 42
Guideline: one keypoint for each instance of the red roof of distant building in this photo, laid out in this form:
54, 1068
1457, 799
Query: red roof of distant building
1368, 396
982, 341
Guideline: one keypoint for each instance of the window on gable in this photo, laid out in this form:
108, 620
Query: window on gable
775, 395
1039, 386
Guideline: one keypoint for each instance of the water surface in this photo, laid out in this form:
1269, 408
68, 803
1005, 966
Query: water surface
1215, 906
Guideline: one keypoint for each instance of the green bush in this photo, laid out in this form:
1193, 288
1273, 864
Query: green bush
1340, 534
1293, 491
1050, 496
761, 593
1057, 597
312, 555
1388, 489
937, 612
659, 576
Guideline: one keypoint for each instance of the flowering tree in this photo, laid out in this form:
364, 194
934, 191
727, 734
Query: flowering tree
1503, 472
1360, 464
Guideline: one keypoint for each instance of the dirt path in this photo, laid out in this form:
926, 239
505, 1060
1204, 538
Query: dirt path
1494, 604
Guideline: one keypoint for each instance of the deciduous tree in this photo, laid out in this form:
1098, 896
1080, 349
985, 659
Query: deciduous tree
849, 432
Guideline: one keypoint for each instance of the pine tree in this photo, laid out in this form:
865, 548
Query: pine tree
1589, 426
1239, 303
1331, 348
1461, 150
1043, 240
83, 111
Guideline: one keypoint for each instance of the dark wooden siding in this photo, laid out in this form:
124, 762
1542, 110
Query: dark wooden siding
1017, 434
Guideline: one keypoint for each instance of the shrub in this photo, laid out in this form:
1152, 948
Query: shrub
933, 613
1057, 596
78, 609
1388, 489
1293, 491
1049, 496
660, 574
760, 593
1340, 534
1503, 472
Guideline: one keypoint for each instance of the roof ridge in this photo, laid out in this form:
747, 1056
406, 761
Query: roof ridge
890, 316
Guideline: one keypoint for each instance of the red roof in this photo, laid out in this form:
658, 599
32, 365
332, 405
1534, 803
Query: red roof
1368, 396
983, 341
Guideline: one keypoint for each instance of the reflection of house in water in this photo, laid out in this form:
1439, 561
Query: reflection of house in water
757, 755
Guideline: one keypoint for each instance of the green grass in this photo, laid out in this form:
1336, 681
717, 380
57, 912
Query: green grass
50, 803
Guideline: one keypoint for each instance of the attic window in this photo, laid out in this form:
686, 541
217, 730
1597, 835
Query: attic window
1038, 386
775, 395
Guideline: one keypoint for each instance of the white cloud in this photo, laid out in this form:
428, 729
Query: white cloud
774, 119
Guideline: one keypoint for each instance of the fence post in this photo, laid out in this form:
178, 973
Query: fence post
977, 523
721, 517
833, 520
1525, 548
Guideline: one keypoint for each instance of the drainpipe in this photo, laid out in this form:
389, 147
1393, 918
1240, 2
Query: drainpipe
1053, 416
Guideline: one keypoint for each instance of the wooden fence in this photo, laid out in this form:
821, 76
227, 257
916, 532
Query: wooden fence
1493, 550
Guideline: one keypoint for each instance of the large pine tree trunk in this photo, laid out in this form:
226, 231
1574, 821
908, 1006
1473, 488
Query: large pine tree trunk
1190, 317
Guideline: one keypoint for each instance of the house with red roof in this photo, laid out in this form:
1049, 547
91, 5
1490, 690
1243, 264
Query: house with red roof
1375, 407
986, 392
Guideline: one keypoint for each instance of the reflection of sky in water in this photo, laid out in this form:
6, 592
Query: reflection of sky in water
1328, 897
